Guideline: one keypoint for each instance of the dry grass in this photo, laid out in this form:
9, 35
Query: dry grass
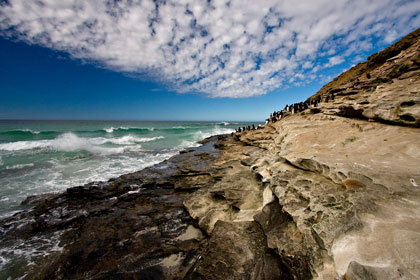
373, 61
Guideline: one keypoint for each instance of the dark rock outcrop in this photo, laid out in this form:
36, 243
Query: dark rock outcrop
131, 227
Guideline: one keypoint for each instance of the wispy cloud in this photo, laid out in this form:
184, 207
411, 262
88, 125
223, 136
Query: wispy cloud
221, 48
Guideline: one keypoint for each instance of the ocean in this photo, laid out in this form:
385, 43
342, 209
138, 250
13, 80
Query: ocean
38, 157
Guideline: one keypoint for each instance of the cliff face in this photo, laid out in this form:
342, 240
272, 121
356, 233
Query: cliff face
344, 175
327, 193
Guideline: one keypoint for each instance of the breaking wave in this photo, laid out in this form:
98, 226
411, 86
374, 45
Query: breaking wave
125, 140
20, 166
128, 129
67, 142
199, 135
27, 133
21, 131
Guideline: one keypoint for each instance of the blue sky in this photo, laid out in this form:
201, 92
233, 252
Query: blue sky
182, 60
38, 83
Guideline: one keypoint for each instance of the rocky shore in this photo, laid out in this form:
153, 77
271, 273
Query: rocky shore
332, 192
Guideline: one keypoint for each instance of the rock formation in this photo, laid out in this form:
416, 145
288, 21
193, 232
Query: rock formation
331, 192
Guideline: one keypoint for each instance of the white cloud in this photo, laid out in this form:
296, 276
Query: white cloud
221, 48
334, 60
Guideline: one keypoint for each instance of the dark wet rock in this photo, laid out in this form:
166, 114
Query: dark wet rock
131, 227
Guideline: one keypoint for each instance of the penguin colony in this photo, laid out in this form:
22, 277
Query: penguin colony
292, 109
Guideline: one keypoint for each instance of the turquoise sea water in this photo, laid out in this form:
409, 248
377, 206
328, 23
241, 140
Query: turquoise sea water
49, 156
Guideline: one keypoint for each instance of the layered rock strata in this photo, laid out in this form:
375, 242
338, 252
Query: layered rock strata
332, 192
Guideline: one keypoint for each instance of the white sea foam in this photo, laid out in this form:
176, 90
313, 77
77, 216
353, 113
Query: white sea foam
37, 246
32, 131
124, 140
67, 142
109, 130
3, 261
187, 144
199, 135
100, 170
70, 142
28, 130
23, 145
112, 129
20, 166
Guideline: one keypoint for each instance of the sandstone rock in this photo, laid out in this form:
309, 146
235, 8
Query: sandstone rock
360, 272
353, 184
238, 250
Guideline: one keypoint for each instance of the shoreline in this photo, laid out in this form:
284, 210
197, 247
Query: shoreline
31, 198
40, 219
41, 158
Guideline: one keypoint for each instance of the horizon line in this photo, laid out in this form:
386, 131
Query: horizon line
109, 120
